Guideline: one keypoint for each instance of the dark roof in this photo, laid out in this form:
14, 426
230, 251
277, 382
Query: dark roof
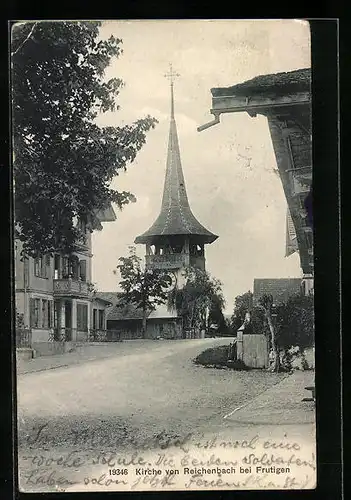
111, 297
125, 312
100, 299
105, 214
276, 84
176, 217
280, 288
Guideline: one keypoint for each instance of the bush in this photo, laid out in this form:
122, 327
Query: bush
237, 364
295, 323
213, 356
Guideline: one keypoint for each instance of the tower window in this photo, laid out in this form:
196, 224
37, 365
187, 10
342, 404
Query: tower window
177, 248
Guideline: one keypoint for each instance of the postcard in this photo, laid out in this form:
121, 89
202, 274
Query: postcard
163, 255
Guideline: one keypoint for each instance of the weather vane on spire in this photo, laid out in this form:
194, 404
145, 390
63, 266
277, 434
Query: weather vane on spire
171, 75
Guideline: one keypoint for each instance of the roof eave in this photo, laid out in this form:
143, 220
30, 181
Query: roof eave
269, 84
257, 104
103, 300
148, 238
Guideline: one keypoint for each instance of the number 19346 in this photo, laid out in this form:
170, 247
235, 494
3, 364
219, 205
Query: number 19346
118, 472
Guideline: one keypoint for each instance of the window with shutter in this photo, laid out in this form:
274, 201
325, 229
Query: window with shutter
82, 317
40, 266
49, 323
71, 266
55, 315
37, 266
57, 260
75, 267
65, 265
26, 272
47, 266
101, 319
85, 318
35, 313
44, 313
83, 270
32, 311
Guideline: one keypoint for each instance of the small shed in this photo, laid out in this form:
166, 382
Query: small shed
125, 319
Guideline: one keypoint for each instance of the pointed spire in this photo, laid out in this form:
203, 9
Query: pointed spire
172, 102
176, 217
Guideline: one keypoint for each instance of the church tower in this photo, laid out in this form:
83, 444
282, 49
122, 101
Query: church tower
176, 240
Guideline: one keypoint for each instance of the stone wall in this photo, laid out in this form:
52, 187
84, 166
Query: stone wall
52, 348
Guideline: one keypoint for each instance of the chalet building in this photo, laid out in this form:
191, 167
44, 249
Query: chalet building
125, 322
280, 288
285, 100
54, 296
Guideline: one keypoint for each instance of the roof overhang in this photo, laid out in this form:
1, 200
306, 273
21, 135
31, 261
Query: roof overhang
104, 301
285, 99
232, 104
253, 106
261, 95
152, 238
106, 214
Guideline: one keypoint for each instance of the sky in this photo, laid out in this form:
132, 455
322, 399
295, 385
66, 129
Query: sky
229, 169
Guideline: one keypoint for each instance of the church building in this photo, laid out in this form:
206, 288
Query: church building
176, 240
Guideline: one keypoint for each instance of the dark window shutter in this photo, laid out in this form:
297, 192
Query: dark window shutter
32, 312
83, 270
79, 316
36, 266
65, 267
101, 319
49, 313
44, 306
47, 265
82, 317
85, 318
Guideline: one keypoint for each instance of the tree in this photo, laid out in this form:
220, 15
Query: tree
293, 326
266, 302
63, 161
194, 301
145, 288
215, 314
295, 322
243, 304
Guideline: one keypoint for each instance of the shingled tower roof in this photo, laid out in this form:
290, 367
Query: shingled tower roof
176, 217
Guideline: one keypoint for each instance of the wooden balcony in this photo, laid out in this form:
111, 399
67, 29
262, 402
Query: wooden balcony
168, 261
70, 288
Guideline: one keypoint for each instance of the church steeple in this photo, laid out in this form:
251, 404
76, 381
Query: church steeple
171, 76
176, 218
